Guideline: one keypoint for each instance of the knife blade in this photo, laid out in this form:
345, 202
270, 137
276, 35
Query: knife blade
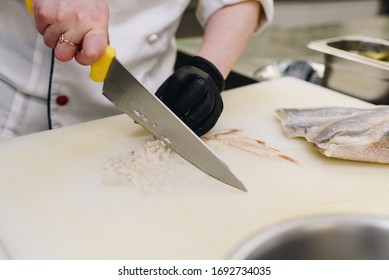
130, 96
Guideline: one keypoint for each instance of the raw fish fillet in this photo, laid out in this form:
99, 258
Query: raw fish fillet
232, 138
341, 132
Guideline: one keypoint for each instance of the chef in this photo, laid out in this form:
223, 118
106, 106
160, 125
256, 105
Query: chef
44, 78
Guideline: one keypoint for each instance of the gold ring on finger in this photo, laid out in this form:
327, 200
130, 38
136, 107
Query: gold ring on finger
63, 40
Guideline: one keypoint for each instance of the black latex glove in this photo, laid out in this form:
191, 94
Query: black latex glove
193, 94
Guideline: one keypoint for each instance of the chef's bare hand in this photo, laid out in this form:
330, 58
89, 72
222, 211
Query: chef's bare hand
84, 23
193, 94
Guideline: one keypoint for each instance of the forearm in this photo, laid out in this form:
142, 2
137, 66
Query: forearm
227, 33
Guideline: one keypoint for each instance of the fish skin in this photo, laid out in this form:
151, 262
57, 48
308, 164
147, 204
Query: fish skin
340, 132
297, 121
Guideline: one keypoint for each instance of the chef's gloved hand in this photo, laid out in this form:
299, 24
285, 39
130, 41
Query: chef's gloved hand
193, 94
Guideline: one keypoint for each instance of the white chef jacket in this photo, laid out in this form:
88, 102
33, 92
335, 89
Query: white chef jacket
141, 31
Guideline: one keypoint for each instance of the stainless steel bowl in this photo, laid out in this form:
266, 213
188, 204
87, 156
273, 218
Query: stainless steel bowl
305, 70
321, 238
347, 70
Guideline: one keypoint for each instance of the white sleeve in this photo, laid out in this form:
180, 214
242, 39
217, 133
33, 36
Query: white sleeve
206, 8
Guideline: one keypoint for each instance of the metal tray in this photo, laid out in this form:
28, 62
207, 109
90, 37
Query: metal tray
348, 70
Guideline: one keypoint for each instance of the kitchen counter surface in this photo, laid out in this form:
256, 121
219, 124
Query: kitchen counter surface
290, 44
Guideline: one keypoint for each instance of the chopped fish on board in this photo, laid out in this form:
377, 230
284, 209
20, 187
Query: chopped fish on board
360, 134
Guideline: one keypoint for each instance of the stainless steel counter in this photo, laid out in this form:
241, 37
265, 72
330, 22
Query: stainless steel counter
280, 44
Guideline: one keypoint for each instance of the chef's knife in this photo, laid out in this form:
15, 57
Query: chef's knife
130, 96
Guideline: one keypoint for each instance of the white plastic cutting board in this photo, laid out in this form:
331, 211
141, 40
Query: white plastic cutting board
54, 203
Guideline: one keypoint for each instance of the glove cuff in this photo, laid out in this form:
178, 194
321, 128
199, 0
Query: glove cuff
209, 68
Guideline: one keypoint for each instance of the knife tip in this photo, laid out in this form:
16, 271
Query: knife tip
242, 188
236, 183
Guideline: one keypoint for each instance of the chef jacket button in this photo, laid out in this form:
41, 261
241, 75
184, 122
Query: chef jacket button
62, 100
153, 38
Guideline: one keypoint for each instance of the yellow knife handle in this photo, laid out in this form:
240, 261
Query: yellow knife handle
29, 6
99, 70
